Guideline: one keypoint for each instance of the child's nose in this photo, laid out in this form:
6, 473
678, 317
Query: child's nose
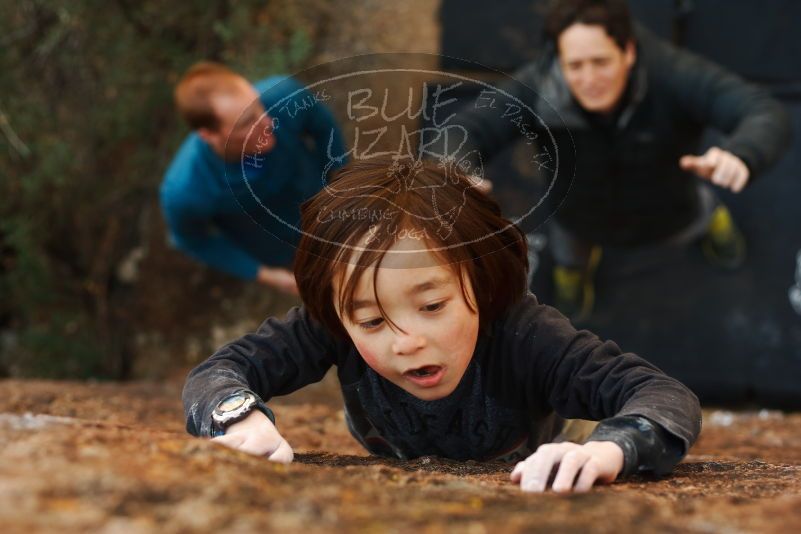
406, 344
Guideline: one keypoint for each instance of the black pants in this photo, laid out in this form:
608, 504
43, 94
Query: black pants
570, 250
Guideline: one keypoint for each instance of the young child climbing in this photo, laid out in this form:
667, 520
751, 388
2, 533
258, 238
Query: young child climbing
414, 287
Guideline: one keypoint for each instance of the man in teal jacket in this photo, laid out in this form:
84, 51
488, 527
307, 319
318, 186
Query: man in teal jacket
231, 196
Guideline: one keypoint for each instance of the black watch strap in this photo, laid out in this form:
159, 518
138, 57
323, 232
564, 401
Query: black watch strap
236, 407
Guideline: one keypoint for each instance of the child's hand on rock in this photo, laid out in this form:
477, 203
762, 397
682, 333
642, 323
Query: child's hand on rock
257, 435
579, 466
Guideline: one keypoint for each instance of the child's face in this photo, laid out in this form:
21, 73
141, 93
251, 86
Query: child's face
424, 299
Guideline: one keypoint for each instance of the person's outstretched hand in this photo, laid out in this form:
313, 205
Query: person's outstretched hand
257, 435
281, 279
482, 184
579, 466
719, 167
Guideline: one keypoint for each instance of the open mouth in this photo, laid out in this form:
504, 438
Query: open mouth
427, 375
424, 371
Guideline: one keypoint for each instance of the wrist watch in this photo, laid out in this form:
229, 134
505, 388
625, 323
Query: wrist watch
235, 408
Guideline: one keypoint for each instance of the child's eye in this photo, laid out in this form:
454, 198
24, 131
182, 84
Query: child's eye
436, 306
371, 324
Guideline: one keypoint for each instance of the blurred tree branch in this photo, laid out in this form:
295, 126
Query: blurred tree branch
127, 11
87, 111
13, 139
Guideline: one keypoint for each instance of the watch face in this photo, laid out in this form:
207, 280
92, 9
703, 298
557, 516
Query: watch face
232, 403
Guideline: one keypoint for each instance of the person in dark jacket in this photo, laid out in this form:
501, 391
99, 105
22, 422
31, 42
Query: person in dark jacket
635, 108
414, 286
232, 193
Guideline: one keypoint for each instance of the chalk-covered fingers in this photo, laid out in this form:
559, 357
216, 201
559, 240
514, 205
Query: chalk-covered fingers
579, 466
534, 472
590, 473
573, 461
283, 454
257, 435
233, 441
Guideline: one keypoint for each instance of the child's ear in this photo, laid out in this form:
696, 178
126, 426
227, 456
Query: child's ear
467, 290
337, 283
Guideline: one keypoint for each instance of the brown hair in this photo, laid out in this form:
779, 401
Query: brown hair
613, 15
196, 88
383, 197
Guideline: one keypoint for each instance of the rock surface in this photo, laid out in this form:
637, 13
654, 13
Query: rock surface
114, 458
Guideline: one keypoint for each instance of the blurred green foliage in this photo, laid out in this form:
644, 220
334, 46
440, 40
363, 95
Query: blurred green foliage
87, 127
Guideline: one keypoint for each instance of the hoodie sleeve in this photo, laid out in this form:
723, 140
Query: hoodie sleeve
490, 122
279, 358
756, 126
580, 376
192, 231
